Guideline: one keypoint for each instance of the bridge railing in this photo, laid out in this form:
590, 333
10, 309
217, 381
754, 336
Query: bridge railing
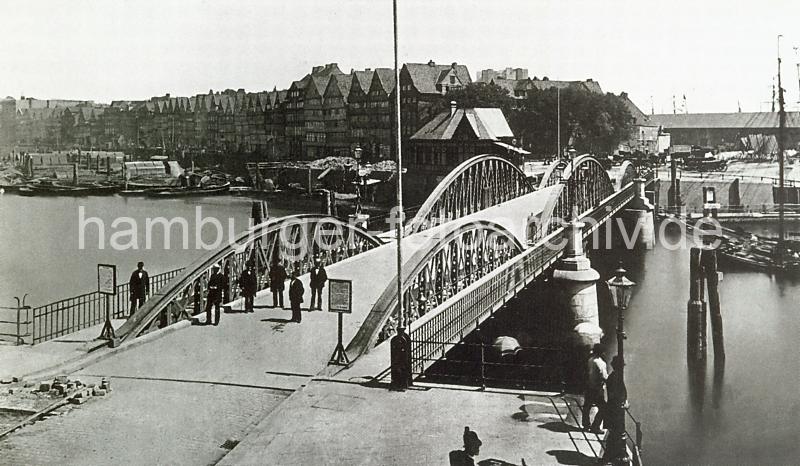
468, 308
69, 315
479, 363
464, 312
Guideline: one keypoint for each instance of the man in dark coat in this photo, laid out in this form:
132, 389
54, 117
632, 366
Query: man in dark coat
318, 279
277, 282
296, 291
139, 285
214, 297
248, 282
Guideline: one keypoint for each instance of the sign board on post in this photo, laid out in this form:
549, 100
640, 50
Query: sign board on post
106, 279
340, 296
340, 301
107, 285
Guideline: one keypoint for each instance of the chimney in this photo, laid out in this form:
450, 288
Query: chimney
316, 69
453, 65
453, 107
367, 69
431, 63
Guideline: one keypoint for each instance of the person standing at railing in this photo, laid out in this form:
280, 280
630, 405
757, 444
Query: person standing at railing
614, 416
249, 284
277, 282
216, 284
594, 394
139, 285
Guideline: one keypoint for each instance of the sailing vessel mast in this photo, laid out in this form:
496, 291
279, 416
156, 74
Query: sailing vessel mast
781, 126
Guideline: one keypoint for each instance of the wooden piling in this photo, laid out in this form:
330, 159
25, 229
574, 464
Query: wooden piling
709, 260
108, 166
695, 312
97, 164
310, 187
74, 173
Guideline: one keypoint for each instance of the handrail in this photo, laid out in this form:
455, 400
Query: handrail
191, 280
69, 315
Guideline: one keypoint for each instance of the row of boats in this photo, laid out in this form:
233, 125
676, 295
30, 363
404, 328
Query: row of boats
55, 188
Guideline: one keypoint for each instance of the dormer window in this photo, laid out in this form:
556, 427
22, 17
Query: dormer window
452, 79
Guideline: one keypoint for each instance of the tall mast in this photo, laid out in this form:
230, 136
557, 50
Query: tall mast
781, 126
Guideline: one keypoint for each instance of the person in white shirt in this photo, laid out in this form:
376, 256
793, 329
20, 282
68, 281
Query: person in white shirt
595, 394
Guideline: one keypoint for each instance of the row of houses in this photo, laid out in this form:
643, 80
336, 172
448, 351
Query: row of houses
327, 112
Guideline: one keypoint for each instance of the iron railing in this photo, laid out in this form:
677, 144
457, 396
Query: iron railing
467, 309
529, 367
464, 312
69, 315
19, 321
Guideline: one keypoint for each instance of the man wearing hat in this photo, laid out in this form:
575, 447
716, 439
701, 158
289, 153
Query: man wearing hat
277, 279
318, 279
296, 291
214, 297
139, 285
248, 282
594, 395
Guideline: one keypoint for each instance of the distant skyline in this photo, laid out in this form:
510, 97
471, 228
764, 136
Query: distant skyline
717, 53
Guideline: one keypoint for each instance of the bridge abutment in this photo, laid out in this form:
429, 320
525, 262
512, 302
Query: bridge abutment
577, 279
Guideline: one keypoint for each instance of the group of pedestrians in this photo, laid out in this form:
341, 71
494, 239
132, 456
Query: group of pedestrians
610, 411
139, 284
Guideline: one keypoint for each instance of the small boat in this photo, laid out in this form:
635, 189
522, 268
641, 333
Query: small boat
187, 191
51, 188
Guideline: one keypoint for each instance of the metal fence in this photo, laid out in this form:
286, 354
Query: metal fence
480, 363
15, 324
69, 315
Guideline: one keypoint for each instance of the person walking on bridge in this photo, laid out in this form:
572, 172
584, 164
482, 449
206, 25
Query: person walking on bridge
296, 292
318, 279
248, 282
139, 285
595, 385
277, 283
214, 297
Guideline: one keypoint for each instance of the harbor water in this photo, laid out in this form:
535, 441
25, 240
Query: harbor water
42, 255
744, 411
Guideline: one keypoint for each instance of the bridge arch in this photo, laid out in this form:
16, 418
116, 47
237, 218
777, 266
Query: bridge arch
478, 183
294, 240
461, 253
586, 184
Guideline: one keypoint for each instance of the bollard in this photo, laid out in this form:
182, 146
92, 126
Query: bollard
400, 347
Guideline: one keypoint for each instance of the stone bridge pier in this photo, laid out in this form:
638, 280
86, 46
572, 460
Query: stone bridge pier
638, 217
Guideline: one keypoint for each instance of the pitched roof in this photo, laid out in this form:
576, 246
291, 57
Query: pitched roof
364, 78
638, 115
386, 78
754, 120
425, 76
486, 123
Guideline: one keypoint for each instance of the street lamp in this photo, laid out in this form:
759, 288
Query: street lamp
621, 290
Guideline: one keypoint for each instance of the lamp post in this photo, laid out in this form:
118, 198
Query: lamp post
357, 155
621, 289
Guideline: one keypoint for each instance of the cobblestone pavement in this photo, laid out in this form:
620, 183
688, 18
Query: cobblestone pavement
143, 422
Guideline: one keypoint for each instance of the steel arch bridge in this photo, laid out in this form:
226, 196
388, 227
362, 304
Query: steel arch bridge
585, 185
460, 254
476, 184
294, 240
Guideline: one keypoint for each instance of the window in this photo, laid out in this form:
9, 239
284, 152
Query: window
452, 79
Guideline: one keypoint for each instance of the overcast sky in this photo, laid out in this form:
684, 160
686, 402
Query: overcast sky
715, 52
